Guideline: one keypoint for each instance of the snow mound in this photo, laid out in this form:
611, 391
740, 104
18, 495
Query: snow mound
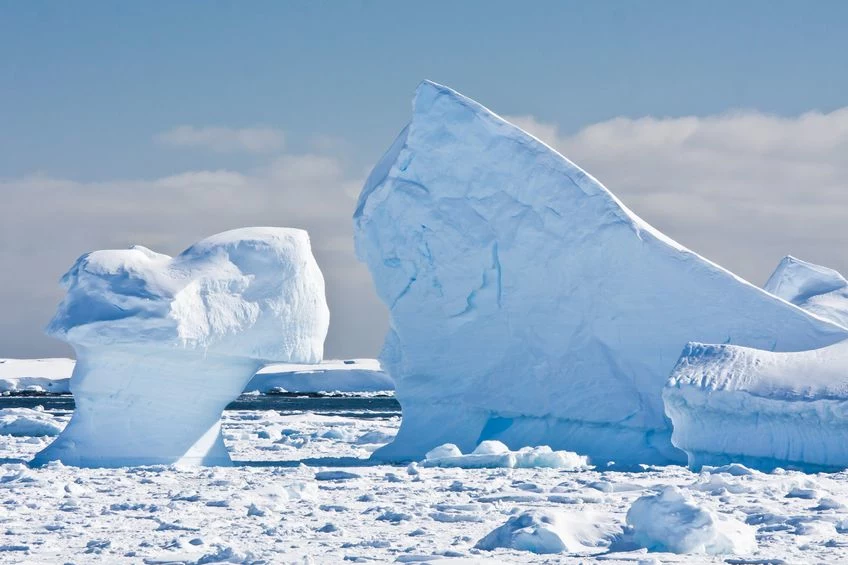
44, 375
817, 289
545, 531
760, 408
164, 344
494, 454
25, 422
352, 375
672, 522
528, 304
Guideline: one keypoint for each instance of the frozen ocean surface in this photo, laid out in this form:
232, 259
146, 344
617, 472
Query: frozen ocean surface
303, 489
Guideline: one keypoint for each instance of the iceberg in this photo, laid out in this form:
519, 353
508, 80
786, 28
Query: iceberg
817, 289
528, 304
762, 409
164, 344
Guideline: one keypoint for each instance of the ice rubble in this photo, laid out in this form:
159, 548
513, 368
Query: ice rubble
492, 454
761, 408
528, 304
164, 344
814, 288
28, 422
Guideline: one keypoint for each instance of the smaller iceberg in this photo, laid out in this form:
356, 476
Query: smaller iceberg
164, 344
764, 409
816, 289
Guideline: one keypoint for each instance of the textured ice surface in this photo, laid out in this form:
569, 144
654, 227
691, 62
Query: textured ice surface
164, 344
672, 522
814, 288
528, 304
761, 408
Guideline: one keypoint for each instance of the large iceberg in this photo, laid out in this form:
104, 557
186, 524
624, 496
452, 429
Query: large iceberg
164, 344
814, 288
761, 408
528, 304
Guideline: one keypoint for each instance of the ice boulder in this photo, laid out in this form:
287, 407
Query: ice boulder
814, 288
528, 304
164, 344
546, 532
673, 522
761, 408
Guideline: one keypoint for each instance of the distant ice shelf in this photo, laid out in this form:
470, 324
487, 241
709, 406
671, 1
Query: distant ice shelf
348, 375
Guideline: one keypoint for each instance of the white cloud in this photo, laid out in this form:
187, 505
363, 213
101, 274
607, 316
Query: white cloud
224, 140
46, 223
742, 188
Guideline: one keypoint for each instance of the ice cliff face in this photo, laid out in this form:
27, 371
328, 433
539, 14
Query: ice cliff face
164, 344
761, 408
814, 288
528, 304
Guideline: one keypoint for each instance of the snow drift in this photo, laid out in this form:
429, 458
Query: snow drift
528, 304
814, 288
164, 344
760, 408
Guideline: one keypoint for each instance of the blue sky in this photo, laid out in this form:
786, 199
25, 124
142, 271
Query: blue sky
85, 86
88, 90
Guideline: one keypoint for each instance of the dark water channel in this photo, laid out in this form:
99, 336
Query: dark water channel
349, 406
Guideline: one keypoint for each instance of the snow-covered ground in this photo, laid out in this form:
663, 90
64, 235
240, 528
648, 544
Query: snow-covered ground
304, 492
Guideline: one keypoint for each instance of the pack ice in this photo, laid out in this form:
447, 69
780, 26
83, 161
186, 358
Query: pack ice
164, 344
528, 304
762, 408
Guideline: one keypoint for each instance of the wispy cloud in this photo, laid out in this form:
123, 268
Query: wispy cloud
742, 188
223, 139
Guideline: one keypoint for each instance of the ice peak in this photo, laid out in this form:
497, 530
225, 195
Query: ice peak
796, 280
